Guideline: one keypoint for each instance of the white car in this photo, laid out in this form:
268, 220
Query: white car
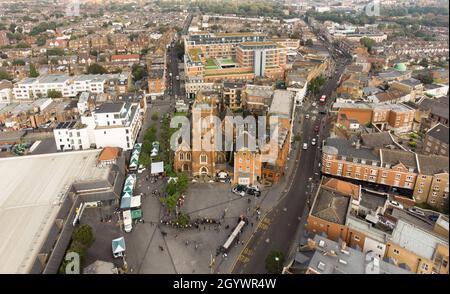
314, 104
307, 116
305, 146
395, 204
416, 211
313, 141
141, 169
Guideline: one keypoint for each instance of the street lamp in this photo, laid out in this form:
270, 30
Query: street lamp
277, 259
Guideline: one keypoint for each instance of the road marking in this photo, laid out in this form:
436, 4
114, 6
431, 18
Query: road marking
243, 259
248, 252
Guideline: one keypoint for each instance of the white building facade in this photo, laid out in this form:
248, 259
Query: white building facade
109, 125
69, 86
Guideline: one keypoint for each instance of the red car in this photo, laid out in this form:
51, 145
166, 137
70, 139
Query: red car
316, 128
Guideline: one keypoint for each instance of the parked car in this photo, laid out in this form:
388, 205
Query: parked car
141, 169
416, 211
307, 116
314, 104
305, 146
239, 190
395, 204
313, 141
433, 217
316, 128
253, 190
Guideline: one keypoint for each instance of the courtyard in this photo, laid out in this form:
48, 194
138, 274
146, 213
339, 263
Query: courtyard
154, 248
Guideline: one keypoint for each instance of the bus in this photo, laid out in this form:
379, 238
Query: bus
323, 100
232, 238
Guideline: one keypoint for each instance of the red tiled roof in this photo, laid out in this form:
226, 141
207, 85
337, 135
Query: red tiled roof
109, 153
125, 56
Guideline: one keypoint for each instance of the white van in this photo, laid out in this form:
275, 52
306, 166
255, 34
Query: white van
127, 223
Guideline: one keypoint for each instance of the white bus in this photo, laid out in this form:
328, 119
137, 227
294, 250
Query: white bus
233, 236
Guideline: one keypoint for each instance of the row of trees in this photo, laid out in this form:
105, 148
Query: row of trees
174, 189
315, 84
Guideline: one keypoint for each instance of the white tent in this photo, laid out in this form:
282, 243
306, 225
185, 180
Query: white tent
135, 201
157, 167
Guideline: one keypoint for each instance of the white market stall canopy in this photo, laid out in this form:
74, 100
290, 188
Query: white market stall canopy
135, 201
157, 167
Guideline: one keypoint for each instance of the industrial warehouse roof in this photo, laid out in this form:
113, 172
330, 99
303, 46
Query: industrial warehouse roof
32, 188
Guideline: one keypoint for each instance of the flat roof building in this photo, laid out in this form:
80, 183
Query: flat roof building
33, 189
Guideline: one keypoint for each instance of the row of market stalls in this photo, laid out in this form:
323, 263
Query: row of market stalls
134, 159
130, 204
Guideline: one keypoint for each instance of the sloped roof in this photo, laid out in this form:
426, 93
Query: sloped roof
109, 153
374, 140
432, 164
331, 206
342, 187
394, 157
439, 132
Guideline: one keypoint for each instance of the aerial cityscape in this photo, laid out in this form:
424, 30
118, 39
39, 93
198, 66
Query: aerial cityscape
221, 137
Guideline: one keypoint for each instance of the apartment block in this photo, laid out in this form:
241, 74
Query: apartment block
396, 117
108, 125
232, 95
69, 86
436, 140
364, 221
233, 56
414, 175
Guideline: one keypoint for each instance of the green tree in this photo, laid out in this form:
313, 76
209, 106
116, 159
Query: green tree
315, 84
425, 78
144, 159
54, 94
96, 68
34, 73
274, 262
138, 72
183, 219
309, 42
41, 40
12, 27
55, 52
4, 75
171, 201
18, 62
182, 182
84, 236
367, 42
424, 62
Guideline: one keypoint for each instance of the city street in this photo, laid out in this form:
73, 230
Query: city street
280, 226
